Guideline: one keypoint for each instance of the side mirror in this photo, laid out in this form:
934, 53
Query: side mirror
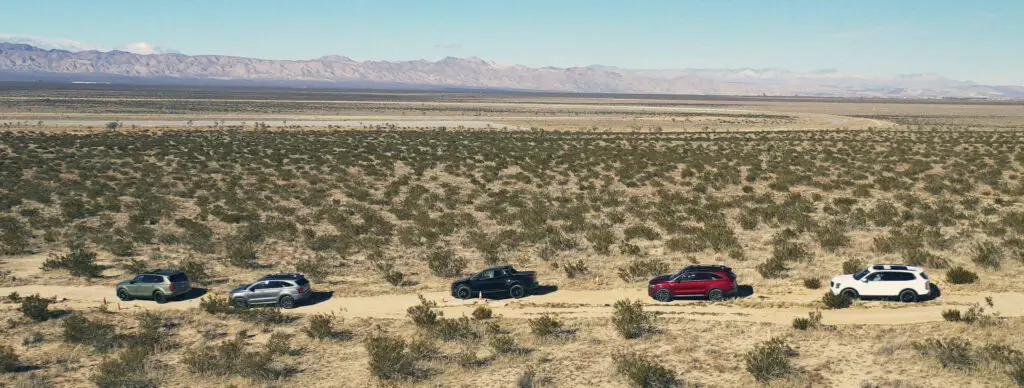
131, 282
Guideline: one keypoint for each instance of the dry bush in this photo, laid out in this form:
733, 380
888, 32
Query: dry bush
770, 360
834, 301
78, 329
197, 270
214, 304
9, 361
953, 353
546, 325
454, 329
35, 307
961, 275
643, 372
443, 262
78, 261
630, 319
230, 358
482, 312
812, 283
389, 358
812, 321
279, 343
316, 268
642, 268
423, 314
988, 255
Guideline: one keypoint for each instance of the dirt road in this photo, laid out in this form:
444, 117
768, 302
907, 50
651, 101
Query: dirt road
573, 303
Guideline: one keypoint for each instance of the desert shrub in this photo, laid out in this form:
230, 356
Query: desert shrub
852, 266
389, 359
629, 249
197, 270
242, 254
961, 275
78, 329
643, 372
952, 315
36, 307
642, 268
789, 251
9, 361
770, 360
316, 268
773, 268
14, 236
812, 283
135, 266
688, 244
987, 255
505, 344
601, 239
265, 316
574, 269
832, 237
231, 358
630, 319
444, 262
320, 326
482, 313
834, 301
279, 343
640, 231
454, 329
423, 314
953, 353
127, 369
216, 305
813, 320
78, 261
748, 220
385, 266
546, 326
921, 257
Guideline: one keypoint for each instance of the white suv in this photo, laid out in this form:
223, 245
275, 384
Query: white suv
905, 282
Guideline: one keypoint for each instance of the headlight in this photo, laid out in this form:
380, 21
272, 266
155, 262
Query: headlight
650, 286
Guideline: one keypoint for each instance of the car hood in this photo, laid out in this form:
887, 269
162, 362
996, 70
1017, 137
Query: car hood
844, 279
124, 283
239, 288
660, 279
463, 280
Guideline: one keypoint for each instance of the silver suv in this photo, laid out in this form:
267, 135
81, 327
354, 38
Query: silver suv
284, 290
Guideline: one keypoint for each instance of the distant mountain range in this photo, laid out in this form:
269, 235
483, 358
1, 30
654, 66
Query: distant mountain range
24, 62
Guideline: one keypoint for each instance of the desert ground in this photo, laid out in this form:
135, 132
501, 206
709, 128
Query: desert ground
384, 198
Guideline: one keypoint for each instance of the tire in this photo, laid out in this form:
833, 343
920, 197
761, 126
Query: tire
663, 295
240, 303
517, 291
463, 293
716, 295
159, 297
286, 302
850, 293
908, 296
122, 294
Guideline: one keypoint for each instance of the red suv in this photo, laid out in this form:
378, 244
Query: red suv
713, 281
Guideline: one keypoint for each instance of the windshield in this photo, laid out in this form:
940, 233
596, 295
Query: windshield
860, 275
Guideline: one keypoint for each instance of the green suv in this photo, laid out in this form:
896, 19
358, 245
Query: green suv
160, 285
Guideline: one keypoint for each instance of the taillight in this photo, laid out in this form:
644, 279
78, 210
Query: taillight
171, 287
301, 290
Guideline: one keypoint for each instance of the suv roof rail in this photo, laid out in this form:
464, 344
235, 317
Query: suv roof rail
897, 267
290, 275
698, 267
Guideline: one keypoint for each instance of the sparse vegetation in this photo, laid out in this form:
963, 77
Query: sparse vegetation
833, 301
644, 372
961, 275
630, 319
770, 360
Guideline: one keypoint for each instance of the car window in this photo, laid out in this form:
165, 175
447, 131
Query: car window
702, 276
279, 284
487, 274
924, 276
153, 279
302, 282
875, 277
258, 286
860, 275
179, 277
714, 276
897, 276
685, 276
139, 278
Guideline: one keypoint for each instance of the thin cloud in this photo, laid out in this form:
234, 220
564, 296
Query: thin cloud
146, 49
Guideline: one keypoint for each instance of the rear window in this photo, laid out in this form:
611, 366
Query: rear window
302, 282
180, 277
924, 276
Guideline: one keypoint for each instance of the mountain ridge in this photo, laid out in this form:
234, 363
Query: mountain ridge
18, 59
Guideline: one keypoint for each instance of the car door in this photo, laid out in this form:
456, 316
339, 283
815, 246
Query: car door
491, 280
682, 284
136, 285
278, 289
873, 285
700, 284
897, 281
258, 292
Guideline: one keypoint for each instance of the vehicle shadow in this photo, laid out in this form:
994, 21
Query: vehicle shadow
318, 297
540, 290
195, 292
743, 291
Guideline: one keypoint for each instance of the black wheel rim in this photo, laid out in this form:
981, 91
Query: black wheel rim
122, 294
239, 303
160, 298
850, 294
287, 303
517, 292
716, 295
463, 293
664, 296
907, 297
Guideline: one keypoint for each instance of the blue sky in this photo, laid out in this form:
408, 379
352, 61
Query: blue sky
980, 40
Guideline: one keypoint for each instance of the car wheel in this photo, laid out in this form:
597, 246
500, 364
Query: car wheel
850, 293
240, 303
122, 294
517, 291
663, 295
463, 293
286, 302
908, 296
159, 297
716, 294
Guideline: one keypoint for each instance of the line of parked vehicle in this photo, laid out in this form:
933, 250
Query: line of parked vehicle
905, 283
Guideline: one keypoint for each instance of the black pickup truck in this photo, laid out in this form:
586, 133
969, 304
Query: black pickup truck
502, 279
